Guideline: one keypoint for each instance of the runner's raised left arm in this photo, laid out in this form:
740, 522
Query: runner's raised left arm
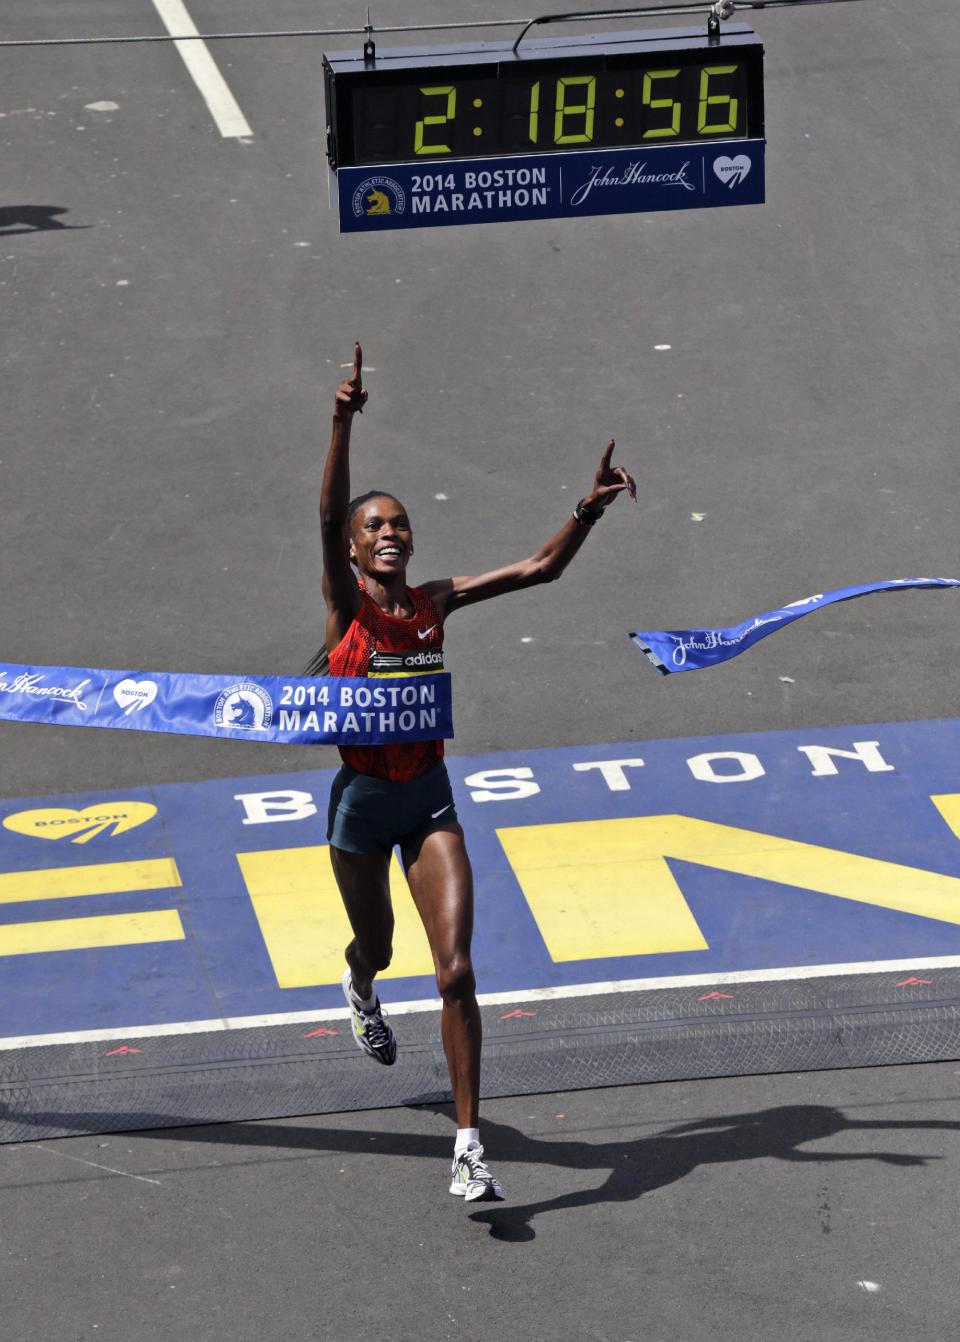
548, 562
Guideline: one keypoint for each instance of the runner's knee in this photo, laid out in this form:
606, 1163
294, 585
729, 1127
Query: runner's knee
381, 960
455, 978
376, 955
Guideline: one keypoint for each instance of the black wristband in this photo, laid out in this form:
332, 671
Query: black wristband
586, 516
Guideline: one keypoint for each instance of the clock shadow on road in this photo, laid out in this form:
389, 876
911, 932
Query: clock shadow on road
16, 219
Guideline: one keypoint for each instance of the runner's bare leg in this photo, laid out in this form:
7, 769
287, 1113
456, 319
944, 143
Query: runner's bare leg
441, 882
364, 881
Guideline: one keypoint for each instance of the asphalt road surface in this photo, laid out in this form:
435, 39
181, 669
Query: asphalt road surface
805, 1208
170, 366
177, 306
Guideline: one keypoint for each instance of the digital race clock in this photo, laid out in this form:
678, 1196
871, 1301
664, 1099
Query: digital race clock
611, 123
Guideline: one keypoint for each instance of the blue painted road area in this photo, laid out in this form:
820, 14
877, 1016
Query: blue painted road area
642, 860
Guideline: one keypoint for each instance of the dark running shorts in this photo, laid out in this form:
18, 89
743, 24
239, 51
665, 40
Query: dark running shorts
371, 815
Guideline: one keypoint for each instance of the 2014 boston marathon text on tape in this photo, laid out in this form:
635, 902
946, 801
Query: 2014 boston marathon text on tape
289, 710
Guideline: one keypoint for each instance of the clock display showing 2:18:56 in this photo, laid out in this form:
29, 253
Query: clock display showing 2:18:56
606, 108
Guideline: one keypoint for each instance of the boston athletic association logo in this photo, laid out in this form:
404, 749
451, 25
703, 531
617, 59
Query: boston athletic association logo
246, 707
378, 196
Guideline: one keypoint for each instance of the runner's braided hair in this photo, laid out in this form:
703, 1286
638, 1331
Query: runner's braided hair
361, 499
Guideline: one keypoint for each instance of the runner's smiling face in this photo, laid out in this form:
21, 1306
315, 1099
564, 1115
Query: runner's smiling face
381, 541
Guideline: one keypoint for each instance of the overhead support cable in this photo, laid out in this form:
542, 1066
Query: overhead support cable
718, 9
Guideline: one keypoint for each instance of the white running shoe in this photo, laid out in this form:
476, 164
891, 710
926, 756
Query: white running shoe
471, 1180
370, 1030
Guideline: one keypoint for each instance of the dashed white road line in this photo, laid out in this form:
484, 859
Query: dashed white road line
203, 70
140, 1178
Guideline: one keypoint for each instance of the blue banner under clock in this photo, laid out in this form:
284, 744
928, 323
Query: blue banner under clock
551, 186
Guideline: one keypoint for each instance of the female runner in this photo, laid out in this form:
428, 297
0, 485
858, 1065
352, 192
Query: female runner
399, 795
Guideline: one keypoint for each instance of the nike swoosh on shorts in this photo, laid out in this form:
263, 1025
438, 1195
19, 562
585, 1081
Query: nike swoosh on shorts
434, 814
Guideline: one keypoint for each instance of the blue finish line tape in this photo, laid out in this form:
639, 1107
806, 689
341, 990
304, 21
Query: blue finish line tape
673, 650
321, 710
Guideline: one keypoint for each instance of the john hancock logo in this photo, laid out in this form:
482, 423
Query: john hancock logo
246, 707
633, 174
378, 196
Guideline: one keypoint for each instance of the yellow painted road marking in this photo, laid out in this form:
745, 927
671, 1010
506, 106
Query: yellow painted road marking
596, 891
304, 926
101, 878
602, 887
78, 934
948, 804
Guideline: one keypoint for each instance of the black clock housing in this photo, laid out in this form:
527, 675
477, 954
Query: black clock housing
483, 100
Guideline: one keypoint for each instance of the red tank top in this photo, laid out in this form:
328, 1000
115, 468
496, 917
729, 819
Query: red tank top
373, 646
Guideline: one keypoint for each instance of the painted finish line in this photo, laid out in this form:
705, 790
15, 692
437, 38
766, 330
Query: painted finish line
653, 863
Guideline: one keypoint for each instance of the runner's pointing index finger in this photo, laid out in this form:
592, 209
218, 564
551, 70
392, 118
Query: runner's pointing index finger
608, 455
357, 363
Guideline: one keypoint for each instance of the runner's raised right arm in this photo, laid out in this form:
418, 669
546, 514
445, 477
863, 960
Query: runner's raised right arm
340, 589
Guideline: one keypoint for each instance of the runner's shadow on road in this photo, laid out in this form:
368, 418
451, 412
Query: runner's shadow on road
648, 1163
633, 1167
16, 219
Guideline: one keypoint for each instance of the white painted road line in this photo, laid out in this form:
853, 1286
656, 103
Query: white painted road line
786, 974
203, 70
